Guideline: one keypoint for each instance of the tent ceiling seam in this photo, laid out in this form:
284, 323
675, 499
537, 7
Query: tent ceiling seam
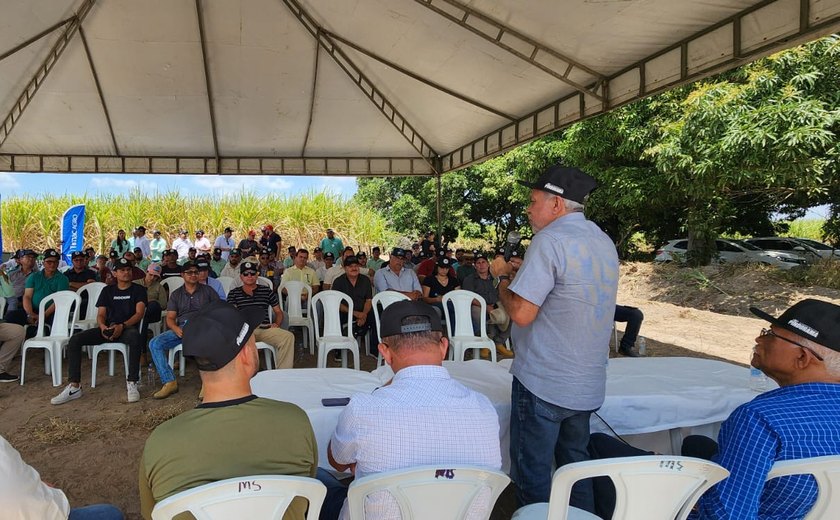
312, 100
99, 90
203, 41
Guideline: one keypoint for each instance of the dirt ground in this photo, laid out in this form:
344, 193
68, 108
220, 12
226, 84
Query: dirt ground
90, 447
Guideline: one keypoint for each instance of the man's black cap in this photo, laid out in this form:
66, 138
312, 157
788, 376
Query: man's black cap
192, 249
290, 248
515, 254
202, 265
397, 251
188, 264
361, 254
183, 232
113, 254
217, 250
26, 252
236, 251
328, 254
156, 232
480, 255
569, 183
78, 254
395, 314
228, 230
248, 267
265, 251
217, 333
170, 252
444, 262
348, 248
351, 260
815, 320
51, 253
122, 263
199, 231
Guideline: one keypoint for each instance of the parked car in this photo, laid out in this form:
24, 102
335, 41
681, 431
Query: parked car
731, 251
824, 250
793, 246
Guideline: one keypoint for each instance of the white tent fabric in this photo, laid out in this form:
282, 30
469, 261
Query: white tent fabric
348, 87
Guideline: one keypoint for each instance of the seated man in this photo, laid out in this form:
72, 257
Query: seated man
481, 282
11, 339
204, 272
38, 286
394, 277
422, 416
228, 434
231, 268
170, 266
300, 272
801, 419
120, 309
183, 303
251, 294
360, 290
633, 317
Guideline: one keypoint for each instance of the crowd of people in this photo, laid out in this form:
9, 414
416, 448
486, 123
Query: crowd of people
557, 305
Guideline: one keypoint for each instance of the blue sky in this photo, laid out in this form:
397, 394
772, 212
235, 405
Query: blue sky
34, 184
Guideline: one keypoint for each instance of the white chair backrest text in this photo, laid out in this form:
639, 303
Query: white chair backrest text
252, 497
653, 487
826, 471
429, 492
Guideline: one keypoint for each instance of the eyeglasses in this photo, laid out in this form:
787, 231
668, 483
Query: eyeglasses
249, 274
191, 273
768, 332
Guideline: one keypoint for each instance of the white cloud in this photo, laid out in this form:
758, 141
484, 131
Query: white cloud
345, 186
230, 184
9, 181
116, 184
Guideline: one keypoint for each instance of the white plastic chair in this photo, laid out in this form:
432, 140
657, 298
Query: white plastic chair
384, 299
171, 284
112, 348
226, 282
177, 349
293, 309
64, 318
334, 335
653, 487
262, 280
826, 471
254, 497
437, 492
269, 354
462, 337
93, 290
2, 307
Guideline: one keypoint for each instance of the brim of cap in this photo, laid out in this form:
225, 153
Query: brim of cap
766, 317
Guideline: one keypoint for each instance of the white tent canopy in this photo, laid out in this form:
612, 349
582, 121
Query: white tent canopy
348, 87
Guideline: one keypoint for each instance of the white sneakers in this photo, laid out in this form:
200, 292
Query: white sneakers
133, 392
68, 394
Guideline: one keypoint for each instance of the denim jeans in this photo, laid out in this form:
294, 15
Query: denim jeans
633, 317
336, 494
96, 512
159, 347
537, 430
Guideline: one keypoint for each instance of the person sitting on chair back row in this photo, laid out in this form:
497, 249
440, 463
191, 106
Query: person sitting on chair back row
801, 419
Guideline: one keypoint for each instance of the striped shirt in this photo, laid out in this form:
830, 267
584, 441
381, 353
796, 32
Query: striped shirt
792, 422
263, 296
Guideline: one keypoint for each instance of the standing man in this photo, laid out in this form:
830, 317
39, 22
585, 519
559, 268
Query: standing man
331, 243
251, 294
120, 309
562, 304
225, 243
202, 243
141, 241
183, 304
249, 246
182, 244
170, 265
394, 278
157, 246
270, 239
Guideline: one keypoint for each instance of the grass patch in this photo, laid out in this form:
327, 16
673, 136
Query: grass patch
59, 431
825, 273
148, 419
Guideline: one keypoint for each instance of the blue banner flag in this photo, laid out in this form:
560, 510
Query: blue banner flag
72, 231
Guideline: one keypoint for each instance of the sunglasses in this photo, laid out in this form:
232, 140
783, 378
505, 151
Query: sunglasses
768, 332
249, 274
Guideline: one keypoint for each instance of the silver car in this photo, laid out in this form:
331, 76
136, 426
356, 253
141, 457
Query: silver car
794, 246
731, 251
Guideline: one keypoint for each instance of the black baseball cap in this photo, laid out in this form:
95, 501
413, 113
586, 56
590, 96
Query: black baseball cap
170, 252
113, 254
515, 254
217, 333
814, 320
398, 251
569, 183
26, 252
217, 250
51, 253
188, 264
156, 232
479, 256
202, 265
351, 260
328, 254
183, 232
248, 267
199, 231
228, 230
236, 251
122, 263
444, 262
265, 251
78, 254
395, 314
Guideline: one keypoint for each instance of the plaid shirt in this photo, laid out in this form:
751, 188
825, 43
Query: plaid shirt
792, 422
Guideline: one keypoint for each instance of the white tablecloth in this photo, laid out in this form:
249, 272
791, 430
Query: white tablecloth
643, 395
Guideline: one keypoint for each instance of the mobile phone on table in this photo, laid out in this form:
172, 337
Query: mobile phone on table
335, 401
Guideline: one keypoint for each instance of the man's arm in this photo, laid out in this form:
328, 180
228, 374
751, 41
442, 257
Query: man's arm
278, 316
147, 499
172, 323
27, 301
337, 465
521, 311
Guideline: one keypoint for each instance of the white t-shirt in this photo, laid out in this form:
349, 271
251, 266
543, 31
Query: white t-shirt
225, 244
22, 494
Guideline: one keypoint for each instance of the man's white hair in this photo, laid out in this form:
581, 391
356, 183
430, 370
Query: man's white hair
572, 206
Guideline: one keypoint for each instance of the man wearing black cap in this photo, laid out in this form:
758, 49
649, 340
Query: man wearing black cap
394, 277
359, 288
79, 275
224, 243
183, 304
218, 261
422, 416
561, 303
157, 246
252, 294
204, 277
140, 240
120, 309
801, 419
337, 269
231, 268
331, 243
481, 283
170, 266
17, 277
38, 286
232, 433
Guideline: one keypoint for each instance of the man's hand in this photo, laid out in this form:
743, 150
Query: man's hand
118, 330
178, 331
499, 267
32, 318
414, 295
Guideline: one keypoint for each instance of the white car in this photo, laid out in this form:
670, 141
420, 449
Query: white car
795, 246
730, 251
824, 250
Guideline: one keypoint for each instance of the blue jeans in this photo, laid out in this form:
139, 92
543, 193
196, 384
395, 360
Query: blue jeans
538, 429
336, 494
96, 512
159, 347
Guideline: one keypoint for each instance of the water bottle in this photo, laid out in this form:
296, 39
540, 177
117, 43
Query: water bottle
151, 375
642, 345
758, 381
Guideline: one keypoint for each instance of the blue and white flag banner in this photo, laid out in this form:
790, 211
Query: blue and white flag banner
72, 231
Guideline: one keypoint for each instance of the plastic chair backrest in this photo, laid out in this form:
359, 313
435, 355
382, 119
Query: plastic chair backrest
2, 307
331, 302
440, 492
262, 280
172, 283
462, 304
65, 315
384, 298
292, 306
653, 487
826, 471
257, 496
93, 290
226, 282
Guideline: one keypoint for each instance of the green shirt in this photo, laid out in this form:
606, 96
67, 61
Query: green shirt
44, 286
375, 264
217, 266
216, 441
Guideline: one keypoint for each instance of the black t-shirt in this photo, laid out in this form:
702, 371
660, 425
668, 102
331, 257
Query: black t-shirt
436, 288
84, 276
121, 305
166, 272
359, 293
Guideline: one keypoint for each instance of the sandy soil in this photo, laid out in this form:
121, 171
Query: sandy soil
90, 447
